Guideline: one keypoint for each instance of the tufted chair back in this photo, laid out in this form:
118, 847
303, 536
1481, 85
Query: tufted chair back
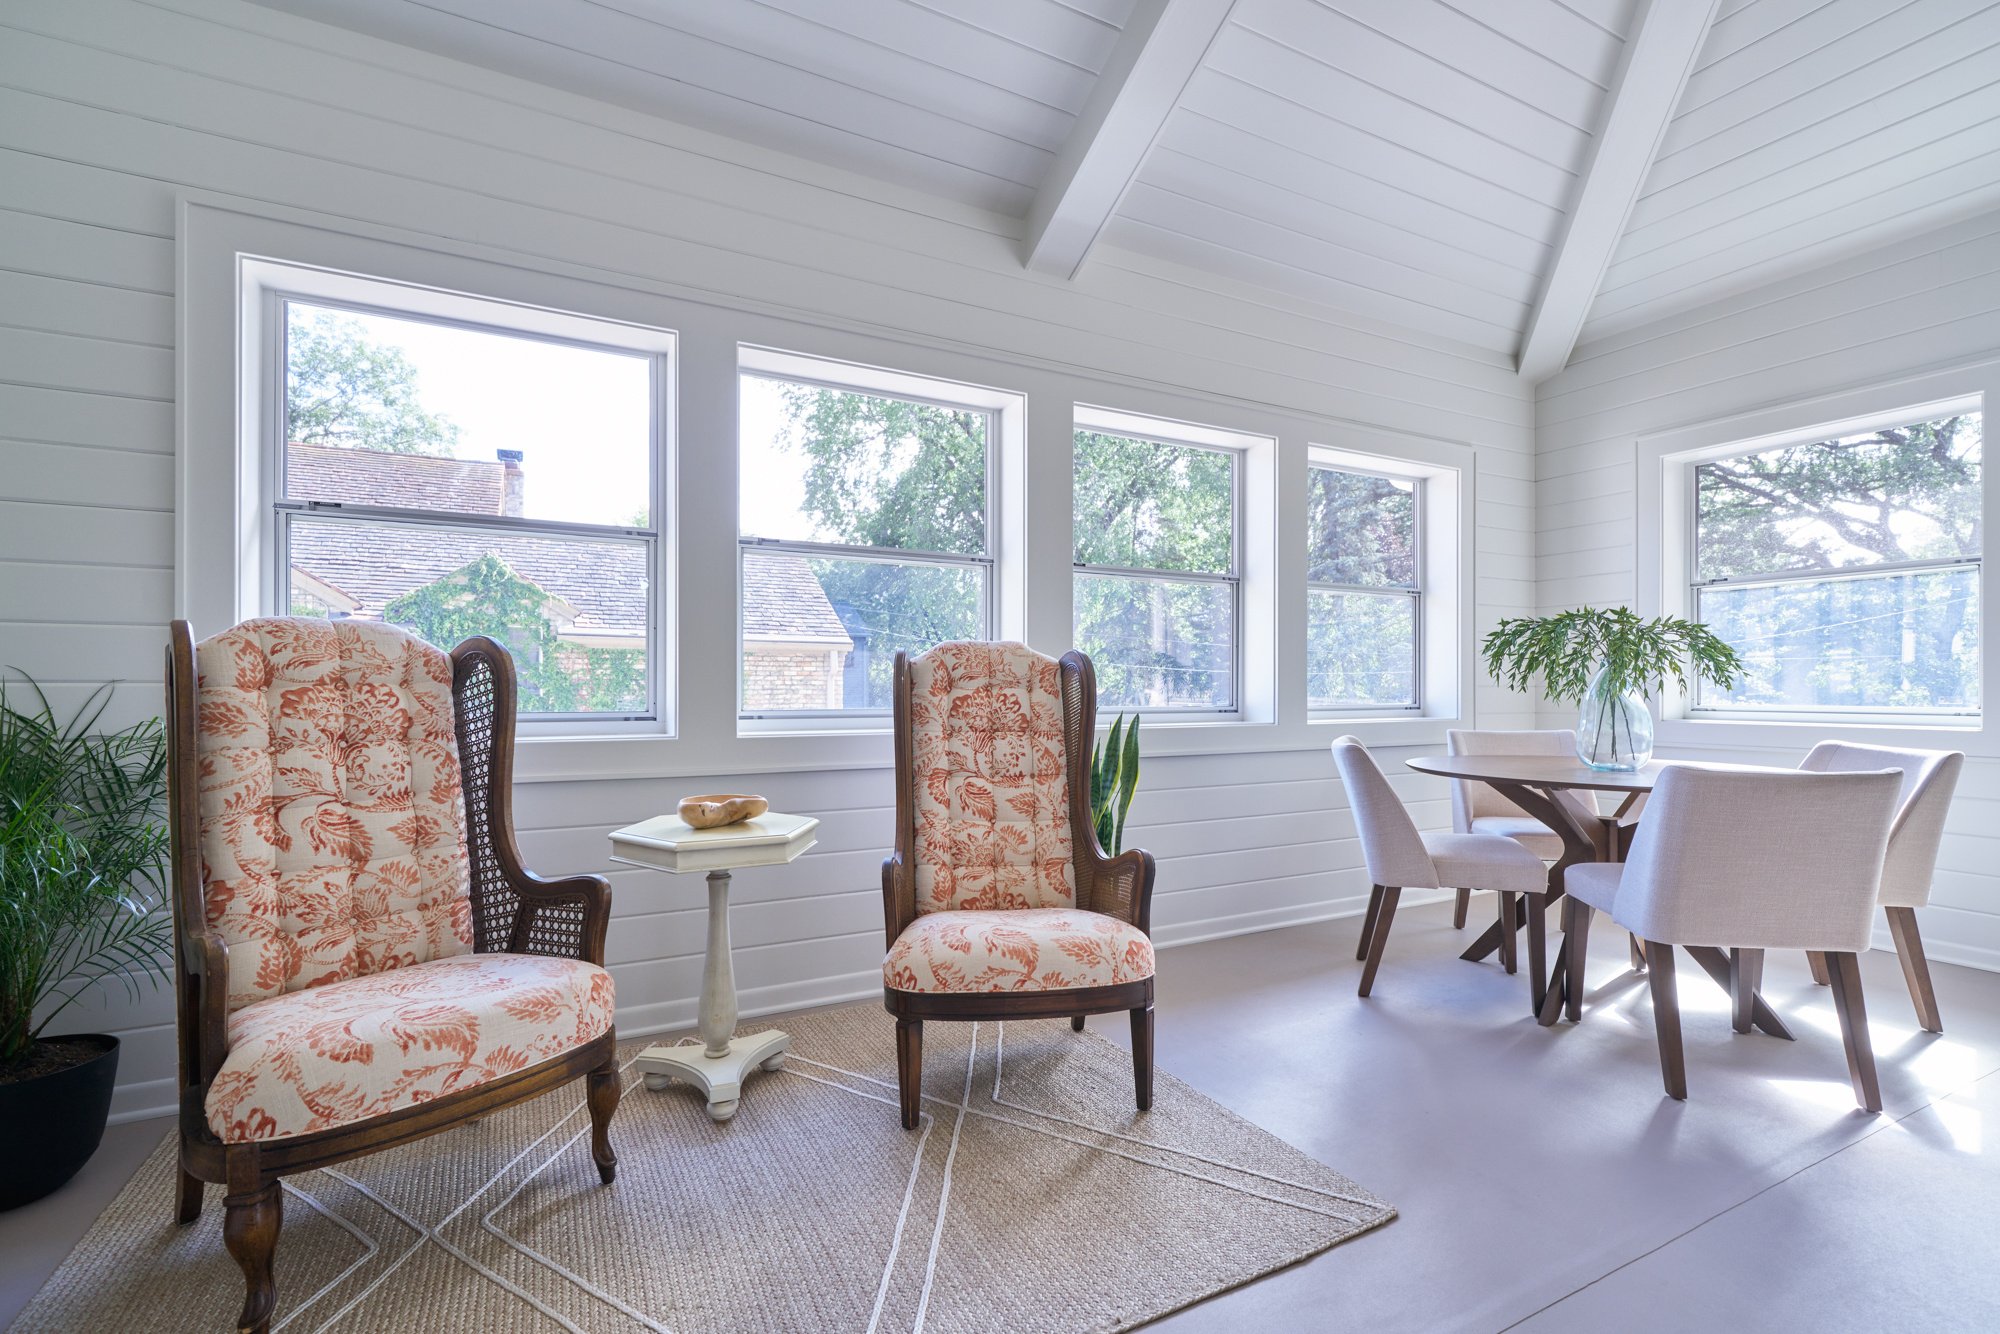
990, 776
332, 815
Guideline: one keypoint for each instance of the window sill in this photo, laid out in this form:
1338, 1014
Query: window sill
1801, 733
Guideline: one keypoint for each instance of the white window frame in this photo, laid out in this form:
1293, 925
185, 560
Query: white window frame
1179, 435
1664, 551
279, 285
229, 529
1003, 410
1415, 593
1442, 474
1696, 707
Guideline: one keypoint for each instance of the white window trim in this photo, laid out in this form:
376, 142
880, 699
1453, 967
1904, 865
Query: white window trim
1005, 458
1253, 458
1664, 534
1443, 474
217, 503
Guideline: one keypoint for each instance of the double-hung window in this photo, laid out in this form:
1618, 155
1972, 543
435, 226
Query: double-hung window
865, 527
1364, 591
457, 477
1846, 571
1157, 581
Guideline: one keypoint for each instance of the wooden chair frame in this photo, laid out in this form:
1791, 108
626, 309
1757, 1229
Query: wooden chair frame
1120, 887
514, 911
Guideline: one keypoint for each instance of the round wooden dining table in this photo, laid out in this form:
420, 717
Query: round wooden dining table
1531, 782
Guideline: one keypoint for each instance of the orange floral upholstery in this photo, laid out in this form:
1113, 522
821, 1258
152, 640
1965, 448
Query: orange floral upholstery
345, 1051
1029, 949
332, 816
992, 800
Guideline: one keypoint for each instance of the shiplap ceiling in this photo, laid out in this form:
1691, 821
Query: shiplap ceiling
1430, 165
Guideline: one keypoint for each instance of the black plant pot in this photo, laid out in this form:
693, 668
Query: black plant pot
52, 1123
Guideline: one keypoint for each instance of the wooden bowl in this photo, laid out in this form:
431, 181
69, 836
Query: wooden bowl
716, 809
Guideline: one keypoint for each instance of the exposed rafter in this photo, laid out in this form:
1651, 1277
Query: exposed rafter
1652, 72
1157, 53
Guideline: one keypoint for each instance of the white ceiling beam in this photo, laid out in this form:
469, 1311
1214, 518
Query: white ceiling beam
1645, 89
1157, 52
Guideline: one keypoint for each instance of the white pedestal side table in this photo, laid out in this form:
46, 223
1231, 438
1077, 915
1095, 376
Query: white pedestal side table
668, 843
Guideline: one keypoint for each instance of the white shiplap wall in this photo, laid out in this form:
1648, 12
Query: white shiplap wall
1923, 304
109, 107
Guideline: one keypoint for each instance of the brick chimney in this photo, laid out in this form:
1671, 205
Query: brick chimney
515, 484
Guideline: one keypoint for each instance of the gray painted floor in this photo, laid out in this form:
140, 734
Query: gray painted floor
1545, 1182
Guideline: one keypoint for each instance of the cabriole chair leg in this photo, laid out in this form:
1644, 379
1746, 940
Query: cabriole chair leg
1142, 1056
250, 1225
910, 1068
603, 1085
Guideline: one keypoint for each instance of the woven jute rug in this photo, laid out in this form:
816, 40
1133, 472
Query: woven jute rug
1032, 1197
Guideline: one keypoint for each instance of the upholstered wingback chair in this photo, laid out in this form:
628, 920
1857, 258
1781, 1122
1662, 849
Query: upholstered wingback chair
1929, 778
360, 958
999, 902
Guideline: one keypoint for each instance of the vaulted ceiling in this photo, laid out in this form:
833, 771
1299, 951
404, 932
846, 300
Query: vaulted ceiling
1508, 174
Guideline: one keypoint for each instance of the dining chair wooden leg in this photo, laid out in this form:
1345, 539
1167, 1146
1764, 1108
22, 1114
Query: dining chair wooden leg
910, 1068
1746, 977
1507, 930
1638, 953
1844, 973
1460, 906
1076, 1023
1576, 946
1536, 906
1916, 968
1368, 922
1379, 939
1667, 1018
1142, 1055
188, 1196
1818, 966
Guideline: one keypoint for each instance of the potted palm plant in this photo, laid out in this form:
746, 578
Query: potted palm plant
1606, 660
83, 855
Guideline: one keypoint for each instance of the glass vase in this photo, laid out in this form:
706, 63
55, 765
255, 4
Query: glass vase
1614, 728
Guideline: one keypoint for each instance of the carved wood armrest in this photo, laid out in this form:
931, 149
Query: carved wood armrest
899, 895
566, 917
206, 955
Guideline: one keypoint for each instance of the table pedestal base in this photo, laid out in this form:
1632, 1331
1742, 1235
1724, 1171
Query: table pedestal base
719, 1077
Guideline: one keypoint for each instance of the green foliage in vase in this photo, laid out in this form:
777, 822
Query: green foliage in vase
1114, 778
83, 860
1638, 655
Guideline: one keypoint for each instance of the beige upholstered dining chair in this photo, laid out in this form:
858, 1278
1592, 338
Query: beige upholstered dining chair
1477, 808
1929, 777
999, 902
1746, 862
1400, 858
